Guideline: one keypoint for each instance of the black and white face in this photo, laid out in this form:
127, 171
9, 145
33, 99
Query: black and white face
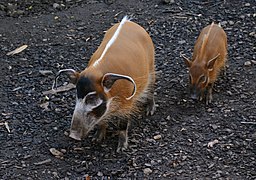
89, 109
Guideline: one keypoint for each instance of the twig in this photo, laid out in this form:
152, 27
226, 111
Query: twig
43, 162
60, 89
244, 122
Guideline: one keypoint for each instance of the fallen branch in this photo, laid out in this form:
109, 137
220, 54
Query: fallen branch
60, 89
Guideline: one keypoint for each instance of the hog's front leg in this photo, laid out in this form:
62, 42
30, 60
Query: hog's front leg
123, 136
209, 94
101, 132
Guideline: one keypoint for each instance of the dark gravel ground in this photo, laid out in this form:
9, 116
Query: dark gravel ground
66, 35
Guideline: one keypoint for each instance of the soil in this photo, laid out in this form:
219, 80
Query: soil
182, 140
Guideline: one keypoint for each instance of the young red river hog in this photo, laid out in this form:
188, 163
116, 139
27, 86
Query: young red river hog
119, 75
208, 59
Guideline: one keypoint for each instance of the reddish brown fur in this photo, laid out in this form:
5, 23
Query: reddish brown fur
132, 54
211, 42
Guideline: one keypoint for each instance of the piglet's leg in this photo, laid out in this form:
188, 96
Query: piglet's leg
209, 94
101, 132
123, 135
151, 107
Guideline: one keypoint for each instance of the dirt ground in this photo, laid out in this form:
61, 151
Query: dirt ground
64, 34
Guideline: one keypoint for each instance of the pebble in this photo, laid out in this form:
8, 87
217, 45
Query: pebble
99, 174
248, 63
147, 171
247, 4
157, 137
55, 5
253, 61
231, 22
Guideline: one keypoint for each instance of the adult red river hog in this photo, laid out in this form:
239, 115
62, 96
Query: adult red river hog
209, 57
119, 76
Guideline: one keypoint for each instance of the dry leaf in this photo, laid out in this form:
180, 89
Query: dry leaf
211, 144
18, 50
55, 152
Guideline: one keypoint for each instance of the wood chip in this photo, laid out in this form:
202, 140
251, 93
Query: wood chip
17, 50
60, 89
45, 72
43, 162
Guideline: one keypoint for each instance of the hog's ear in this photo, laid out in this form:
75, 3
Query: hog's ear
187, 61
211, 62
73, 77
72, 74
110, 78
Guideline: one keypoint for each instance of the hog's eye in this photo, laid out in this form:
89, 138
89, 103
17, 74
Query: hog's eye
202, 79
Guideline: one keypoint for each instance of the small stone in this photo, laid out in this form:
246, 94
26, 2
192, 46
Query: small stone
214, 126
231, 22
253, 61
182, 42
168, 118
230, 93
247, 4
55, 5
248, 63
157, 137
99, 174
66, 133
147, 164
147, 171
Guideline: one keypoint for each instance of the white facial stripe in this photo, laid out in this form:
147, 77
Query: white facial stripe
112, 40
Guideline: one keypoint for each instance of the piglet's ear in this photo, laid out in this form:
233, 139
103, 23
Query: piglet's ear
110, 78
187, 61
72, 74
211, 62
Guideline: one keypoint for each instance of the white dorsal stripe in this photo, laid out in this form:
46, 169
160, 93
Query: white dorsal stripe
112, 40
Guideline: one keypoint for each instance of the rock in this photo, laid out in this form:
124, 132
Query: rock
231, 22
147, 171
56, 5
99, 174
247, 4
253, 61
247, 63
182, 42
168, 1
